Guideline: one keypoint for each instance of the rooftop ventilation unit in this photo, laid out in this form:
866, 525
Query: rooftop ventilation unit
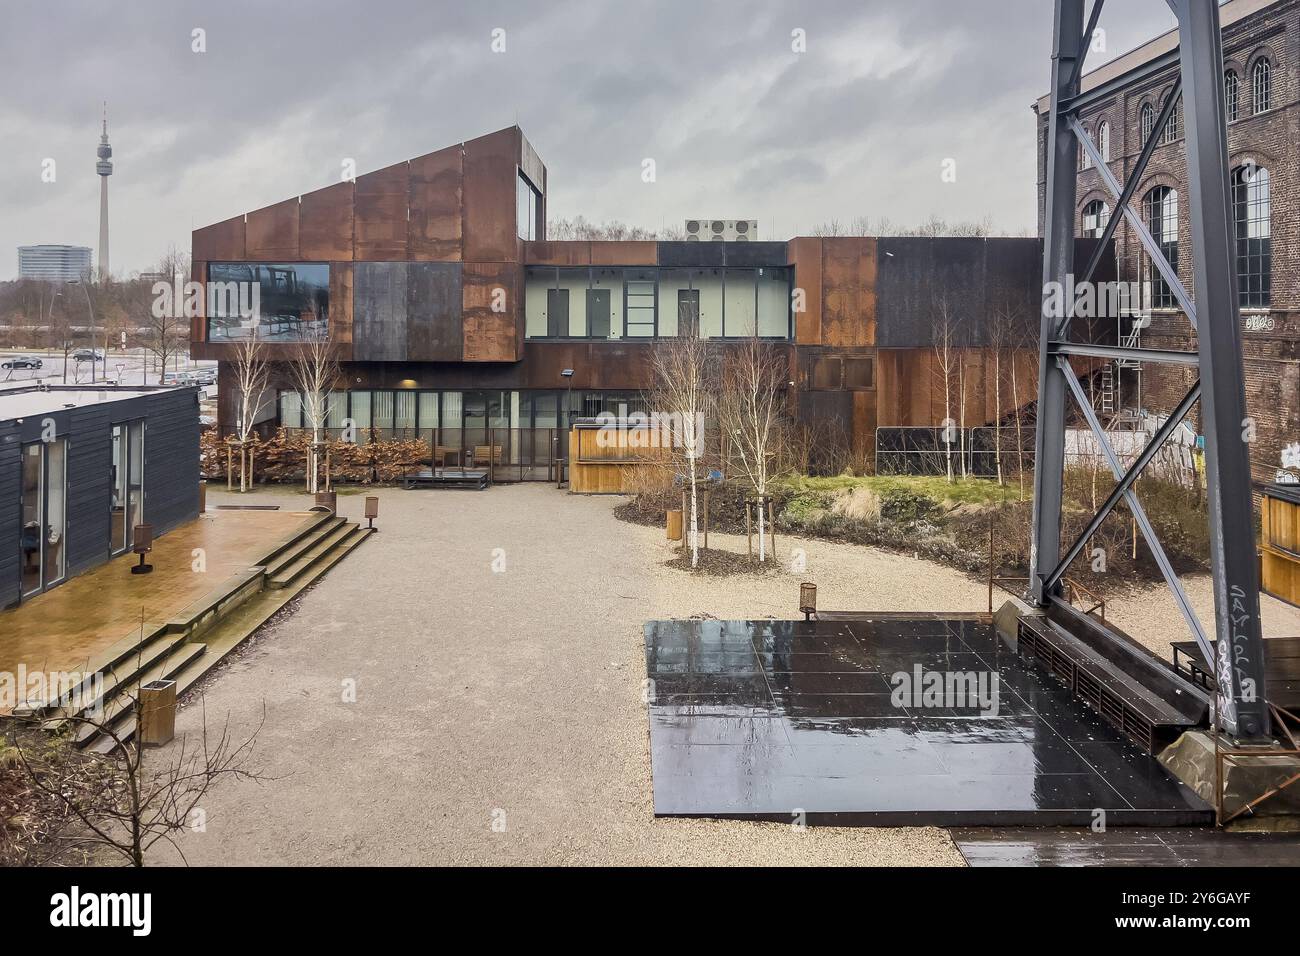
721, 230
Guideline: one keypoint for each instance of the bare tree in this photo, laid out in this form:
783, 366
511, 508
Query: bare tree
314, 371
252, 372
752, 416
684, 370
165, 328
116, 800
947, 364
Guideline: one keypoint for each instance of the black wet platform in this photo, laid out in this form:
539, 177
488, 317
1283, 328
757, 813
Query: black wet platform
762, 719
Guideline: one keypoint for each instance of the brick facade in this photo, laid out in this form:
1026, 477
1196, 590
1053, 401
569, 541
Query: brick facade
1271, 140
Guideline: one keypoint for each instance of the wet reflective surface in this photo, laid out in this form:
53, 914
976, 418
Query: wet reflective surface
922, 721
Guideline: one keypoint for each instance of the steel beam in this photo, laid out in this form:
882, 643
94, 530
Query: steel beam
1233, 559
1086, 42
1058, 263
1133, 78
1158, 356
1167, 272
1126, 481
1143, 522
1131, 181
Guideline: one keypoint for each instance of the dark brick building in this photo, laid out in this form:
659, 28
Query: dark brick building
1261, 77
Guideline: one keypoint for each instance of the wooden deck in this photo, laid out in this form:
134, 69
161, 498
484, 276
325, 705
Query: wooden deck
74, 623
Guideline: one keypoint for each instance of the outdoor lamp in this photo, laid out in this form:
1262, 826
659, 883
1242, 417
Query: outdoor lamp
808, 599
142, 544
372, 510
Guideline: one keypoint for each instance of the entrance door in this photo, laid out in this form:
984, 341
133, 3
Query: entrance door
557, 312
598, 313
688, 312
43, 541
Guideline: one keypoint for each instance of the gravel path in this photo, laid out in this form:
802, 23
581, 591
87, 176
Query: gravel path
517, 691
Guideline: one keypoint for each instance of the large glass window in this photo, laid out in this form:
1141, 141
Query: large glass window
1160, 210
1252, 212
279, 302
528, 209
32, 508
613, 303
1096, 215
1230, 94
774, 303
1261, 86
1173, 125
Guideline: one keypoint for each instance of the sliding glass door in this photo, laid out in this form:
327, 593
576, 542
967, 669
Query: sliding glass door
127, 509
44, 496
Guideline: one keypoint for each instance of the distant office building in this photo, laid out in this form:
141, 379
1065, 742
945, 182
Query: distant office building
53, 263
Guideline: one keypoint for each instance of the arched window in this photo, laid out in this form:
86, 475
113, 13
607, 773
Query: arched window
1230, 85
1172, 125
1085, 160
1148, 121
1252, 213
1095, 216
1160, 210
1103, 140
1260, 82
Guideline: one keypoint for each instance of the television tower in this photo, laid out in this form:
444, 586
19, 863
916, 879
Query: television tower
105, 169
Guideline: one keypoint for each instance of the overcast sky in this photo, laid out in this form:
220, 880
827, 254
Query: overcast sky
739, 125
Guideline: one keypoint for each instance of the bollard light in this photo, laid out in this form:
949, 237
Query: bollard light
372, 510
142, 544
808, 599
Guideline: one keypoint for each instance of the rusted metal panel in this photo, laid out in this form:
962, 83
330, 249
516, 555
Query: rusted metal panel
863, 440
325, 223
222, 241
272, 233
568, 252
491, 165
341, 292
627, 253
848, 292
434, 326
199, 323
434, 232
380, 214
491, 312
806, 255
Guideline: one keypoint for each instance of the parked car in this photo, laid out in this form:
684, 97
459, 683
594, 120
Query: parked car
21, 361
88, 355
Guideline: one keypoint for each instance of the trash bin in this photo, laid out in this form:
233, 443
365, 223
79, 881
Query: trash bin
675, 524
328, 499
203, 496
157, 712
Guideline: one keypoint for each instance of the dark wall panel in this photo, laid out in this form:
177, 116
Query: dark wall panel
171, 458
434, 330
379, 311
90, 455
10, 516
434, 232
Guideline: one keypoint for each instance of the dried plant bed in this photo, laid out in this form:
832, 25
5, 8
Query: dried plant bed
725, 564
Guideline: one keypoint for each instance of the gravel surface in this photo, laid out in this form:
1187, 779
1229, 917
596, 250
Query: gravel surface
519, 690
510, 695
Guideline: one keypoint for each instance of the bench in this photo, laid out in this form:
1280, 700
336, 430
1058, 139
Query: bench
481, 454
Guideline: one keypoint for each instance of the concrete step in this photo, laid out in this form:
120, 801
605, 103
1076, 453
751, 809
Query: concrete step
149, 654
306, 542
285, 574
119, 713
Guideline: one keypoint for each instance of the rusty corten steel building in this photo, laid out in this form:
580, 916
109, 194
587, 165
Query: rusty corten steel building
451, 310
